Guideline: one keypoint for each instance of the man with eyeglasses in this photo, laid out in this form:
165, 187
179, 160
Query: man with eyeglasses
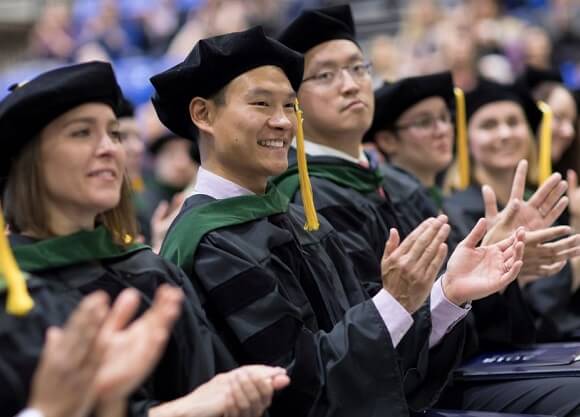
337, 98
338, 109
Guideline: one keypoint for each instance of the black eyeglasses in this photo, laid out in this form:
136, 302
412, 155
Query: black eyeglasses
426, 123
358, 72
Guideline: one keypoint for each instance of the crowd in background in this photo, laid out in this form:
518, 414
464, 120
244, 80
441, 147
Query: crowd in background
493, 38
472, 38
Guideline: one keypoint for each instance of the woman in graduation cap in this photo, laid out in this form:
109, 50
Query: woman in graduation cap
501, 125
413, 128
67, 203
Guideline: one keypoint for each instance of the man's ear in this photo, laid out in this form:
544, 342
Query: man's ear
202, 113
387, 142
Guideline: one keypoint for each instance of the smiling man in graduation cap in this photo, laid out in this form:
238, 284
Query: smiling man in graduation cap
278, 291
338, 103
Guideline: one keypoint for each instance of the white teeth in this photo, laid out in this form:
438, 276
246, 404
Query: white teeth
271, 143
104, 174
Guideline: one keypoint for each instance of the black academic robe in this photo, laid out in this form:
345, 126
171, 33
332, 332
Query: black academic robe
21, 341
79, 264
283, 296
499, 321
348, 196
411, 197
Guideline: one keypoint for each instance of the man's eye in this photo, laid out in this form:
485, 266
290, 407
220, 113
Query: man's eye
325, 76
117, 135
81, 133
259, 103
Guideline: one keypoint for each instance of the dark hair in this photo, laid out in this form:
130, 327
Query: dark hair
25, 190
219, 98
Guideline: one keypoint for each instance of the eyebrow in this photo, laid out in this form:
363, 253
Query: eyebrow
265, 92
356, 56
89, 120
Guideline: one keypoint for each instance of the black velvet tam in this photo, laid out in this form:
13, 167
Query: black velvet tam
210, 66
126, 109
34, 104
489, 92
393, 99
315, 26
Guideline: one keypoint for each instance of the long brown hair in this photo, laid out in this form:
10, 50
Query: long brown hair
26, 190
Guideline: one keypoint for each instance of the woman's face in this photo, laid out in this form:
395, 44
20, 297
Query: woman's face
424, 138
82, 160
563, 132
499, 135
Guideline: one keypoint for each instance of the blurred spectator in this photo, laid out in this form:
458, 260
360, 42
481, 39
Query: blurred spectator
460, 54
384, 57
105, 32
160, 24
51, 37
216, 17
537, 48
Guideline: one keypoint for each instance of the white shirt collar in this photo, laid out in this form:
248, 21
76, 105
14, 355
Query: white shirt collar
213, 185
316, 149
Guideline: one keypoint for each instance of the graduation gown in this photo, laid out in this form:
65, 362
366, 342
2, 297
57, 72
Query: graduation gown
410, 196
509, 309
347, 195
282, 296
81, 263
21, 342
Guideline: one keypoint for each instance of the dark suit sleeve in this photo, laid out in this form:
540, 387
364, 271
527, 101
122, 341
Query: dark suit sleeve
266, 319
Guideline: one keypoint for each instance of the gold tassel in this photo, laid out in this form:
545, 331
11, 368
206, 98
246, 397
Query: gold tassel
137, 184
545, 157
461, 139
19, 302
305, 186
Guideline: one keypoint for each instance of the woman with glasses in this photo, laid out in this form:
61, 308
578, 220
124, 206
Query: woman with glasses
501, 125
413, 130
